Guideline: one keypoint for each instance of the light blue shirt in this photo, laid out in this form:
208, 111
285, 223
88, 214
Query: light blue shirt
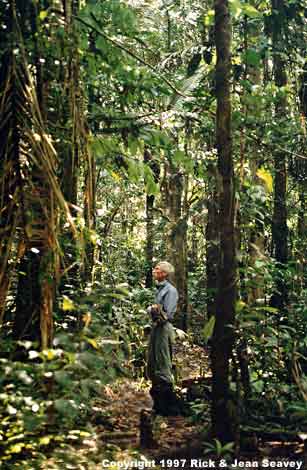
167, 296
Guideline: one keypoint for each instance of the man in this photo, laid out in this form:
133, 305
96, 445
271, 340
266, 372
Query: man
159, 365
167, 294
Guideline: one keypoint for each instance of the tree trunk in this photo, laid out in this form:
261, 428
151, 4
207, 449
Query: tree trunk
256, 236
89, 212
223, 409
70, 147
177, 241
212, 243
149, 249
194, 247
8, 168
71, 108
28, 151
301, 176
302, 237
150, 200
9, 175
279, 222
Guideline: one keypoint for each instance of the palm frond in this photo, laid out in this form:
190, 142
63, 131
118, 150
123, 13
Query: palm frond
188, 85
30, 193
9, 175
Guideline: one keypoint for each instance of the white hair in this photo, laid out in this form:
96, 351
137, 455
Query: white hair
166, 267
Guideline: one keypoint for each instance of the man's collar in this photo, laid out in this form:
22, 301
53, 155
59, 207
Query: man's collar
161, 284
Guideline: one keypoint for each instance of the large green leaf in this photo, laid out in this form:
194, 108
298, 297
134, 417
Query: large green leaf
208, 329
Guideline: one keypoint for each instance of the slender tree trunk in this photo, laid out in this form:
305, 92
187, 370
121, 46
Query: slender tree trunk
279, 222
90, 178
72, 108
149, 249
70, 147
177, 241
194, 249
223, 410
150, 200
256, 237
256, 249
212, 243
302, 237
301, 171
89, 210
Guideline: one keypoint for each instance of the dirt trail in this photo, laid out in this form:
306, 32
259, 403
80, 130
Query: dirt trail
116, 423
114, 443
122, 404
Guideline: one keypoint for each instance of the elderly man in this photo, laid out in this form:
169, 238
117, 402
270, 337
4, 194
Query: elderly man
159, 365
167, 294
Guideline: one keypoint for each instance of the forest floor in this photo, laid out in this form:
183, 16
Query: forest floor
114, 443
126, 399
116, 423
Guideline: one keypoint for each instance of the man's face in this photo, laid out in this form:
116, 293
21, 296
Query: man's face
158, 274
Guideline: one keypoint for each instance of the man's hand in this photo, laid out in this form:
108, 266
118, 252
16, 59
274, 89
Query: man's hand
157, 312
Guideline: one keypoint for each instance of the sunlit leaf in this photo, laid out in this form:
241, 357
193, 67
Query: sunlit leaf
115, 175
123, 288
49, 354
92, 342
209, 18
16, 448
67, 303
265, 176
251, 11
94, 238
11, 410
45, 440
240, 306
235, 8
43, 14
33, 354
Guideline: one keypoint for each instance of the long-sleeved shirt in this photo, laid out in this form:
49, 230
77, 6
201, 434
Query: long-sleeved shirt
167, 296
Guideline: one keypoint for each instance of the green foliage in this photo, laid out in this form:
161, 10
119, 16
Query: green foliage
275, 343
48, 394
198, 411
219, 450
147, 81
208, 329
